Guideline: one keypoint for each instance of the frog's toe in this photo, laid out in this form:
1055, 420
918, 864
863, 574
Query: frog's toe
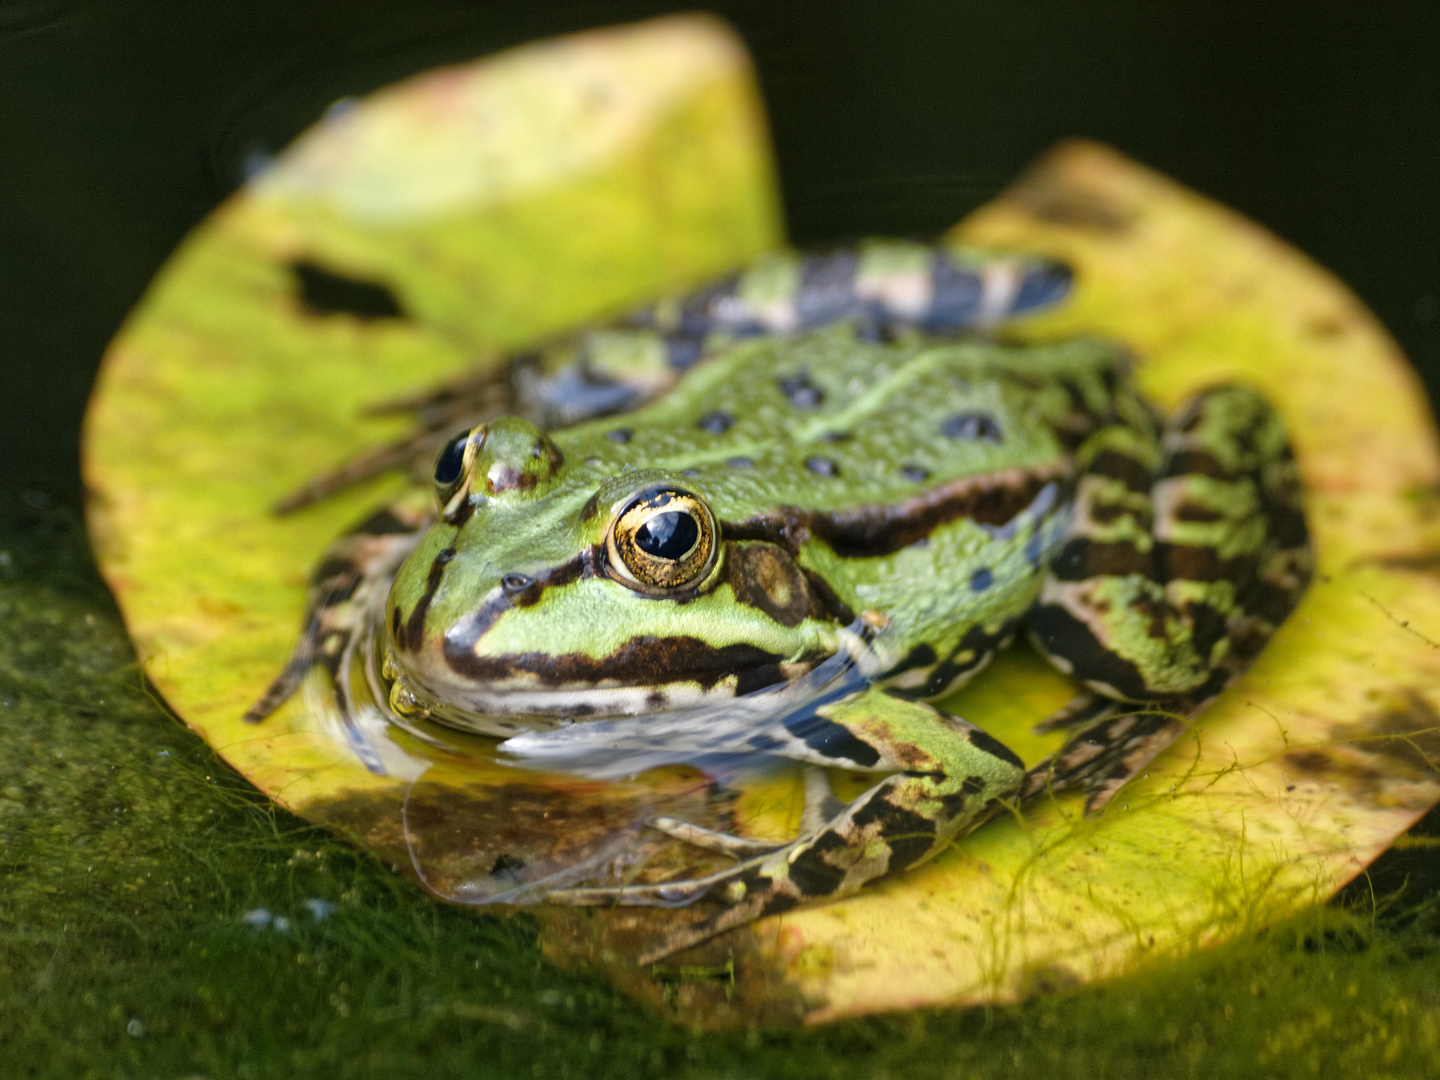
662, 894
737, 847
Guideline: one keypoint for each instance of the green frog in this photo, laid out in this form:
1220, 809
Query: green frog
780, 517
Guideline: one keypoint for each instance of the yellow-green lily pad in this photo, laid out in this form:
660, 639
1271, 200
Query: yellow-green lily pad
483, 207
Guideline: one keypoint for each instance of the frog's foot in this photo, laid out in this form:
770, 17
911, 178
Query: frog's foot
947, 776
1077, 713
737, 847
438, 414
1104, 755
881, 832
820, 807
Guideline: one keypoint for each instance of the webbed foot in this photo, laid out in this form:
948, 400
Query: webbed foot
947, 776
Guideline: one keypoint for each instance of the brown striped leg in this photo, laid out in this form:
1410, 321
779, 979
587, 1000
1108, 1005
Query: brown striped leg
1183, 560
352, 577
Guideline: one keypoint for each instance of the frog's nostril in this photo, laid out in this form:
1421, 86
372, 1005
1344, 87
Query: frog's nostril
513, 583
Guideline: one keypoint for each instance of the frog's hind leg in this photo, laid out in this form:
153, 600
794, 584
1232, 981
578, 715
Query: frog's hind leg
349, 581
438, 412
884, 287
1182, 561
948, 776
1079, 712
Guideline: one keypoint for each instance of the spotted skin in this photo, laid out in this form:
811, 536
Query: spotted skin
891, 506
1185, 555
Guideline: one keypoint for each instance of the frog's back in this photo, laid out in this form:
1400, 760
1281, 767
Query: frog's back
830, 424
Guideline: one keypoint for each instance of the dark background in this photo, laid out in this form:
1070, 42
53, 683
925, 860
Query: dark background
123, 124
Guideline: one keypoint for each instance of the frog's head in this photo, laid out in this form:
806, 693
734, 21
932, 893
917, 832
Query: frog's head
548, 588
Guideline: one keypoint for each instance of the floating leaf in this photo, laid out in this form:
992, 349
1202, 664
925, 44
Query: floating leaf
430, 227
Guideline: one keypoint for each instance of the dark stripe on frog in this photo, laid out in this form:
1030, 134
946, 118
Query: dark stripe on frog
697, 314
1198, 463
955, 295
827, 287
1207, 627
778, 903
959, 803
475, 625
1059, 633
1082, 558
1195, 512
640, 661
336, 567
813, 874
868, 531
384, 523
920, 656
974, 648
827, 737
1269, 601
829, 600
1117, 466
987, 743
413, 629
1194, 562
682, 352
1286, 524
909, 835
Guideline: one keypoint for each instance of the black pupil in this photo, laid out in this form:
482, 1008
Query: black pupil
451, 460
668, 536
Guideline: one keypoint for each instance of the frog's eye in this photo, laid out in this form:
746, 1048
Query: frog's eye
452, 465
663, 541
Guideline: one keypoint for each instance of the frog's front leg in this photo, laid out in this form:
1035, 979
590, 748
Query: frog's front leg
946, 776
346, 588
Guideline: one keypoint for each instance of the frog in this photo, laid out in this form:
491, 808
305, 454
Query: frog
787, 514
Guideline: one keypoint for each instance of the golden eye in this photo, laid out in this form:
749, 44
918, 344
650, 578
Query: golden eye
663, 541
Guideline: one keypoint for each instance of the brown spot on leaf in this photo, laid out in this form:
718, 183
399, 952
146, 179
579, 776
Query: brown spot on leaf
1409, 731
1325, 326
1058, 203
1392, 758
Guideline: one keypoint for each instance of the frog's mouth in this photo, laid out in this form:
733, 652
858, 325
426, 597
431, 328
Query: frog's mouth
646, 674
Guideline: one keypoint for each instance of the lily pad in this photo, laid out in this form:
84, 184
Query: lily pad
432, 226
